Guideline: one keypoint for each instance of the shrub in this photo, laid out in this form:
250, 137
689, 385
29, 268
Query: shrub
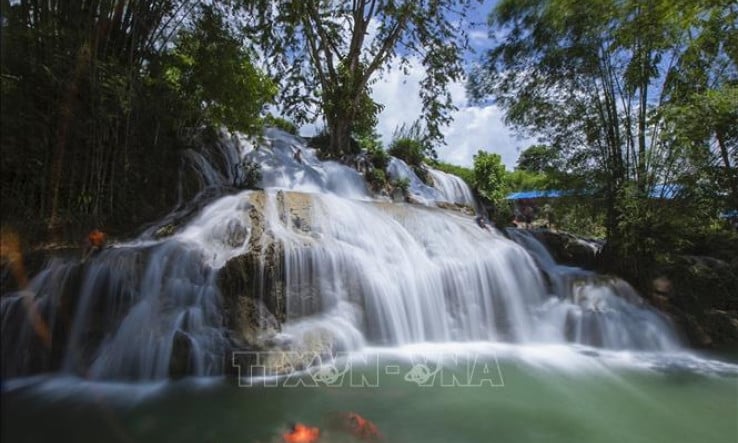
377, 179
281, 123
378, 158
402, 184
409, 150
247, 174
376, 155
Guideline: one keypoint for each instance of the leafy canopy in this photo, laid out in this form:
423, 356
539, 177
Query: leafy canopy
212, 71
327, 54
489, 175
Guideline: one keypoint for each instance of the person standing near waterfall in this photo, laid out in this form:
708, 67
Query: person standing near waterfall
528, 215
298, 155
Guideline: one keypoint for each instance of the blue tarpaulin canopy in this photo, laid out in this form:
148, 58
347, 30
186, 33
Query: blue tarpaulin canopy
524, 195
668, 192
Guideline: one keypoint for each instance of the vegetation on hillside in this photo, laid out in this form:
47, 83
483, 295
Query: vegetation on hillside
330, 53
630, 96
98, 99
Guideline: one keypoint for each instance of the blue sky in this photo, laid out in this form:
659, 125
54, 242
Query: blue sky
473, 128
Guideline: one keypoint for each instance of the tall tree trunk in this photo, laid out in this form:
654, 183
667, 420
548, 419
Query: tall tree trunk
65, 119
641, 173
729, 172
340, 136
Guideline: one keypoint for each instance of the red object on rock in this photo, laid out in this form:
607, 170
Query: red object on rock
302, 434
96, 238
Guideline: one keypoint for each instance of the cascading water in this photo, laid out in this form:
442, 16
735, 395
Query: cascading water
356, 271
597, 310
453, 188
126, 312
447, 188
411, 273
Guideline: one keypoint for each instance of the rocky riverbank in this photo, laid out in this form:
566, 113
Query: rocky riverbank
698, 292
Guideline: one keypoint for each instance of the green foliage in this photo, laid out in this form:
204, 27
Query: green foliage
376, 155
538, 159
523, 180
402, 184
214, 76
248, 174
281, 123
422, 141
407, 149
411, 144
627, 94
348, 107
578, 216
97, 107
369, 140
703, 127
489, 176
311, 49
377, 179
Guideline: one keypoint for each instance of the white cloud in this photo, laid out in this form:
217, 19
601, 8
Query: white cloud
478, 36
473, 128
476, 128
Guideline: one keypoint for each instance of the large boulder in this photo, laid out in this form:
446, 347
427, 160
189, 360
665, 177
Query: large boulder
569, 249
252, 284
701, 295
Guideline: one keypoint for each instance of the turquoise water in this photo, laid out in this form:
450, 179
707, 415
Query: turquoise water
553, 394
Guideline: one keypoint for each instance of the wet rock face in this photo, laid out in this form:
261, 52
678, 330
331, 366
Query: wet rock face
43, 343
180, 364
464, 209
252, 285
568, 249
701, 295
253, 297
257, 275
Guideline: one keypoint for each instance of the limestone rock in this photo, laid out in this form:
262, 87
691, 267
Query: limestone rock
569, 249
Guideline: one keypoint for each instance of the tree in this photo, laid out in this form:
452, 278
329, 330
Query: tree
538, 158
523, 180
609, 86
212, 72
702, 106
490, 175
99, 98
590, 82
329, 53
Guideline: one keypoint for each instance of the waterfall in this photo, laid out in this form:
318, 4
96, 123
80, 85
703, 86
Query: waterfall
420, 191
596, 310
407, 274
453, 189
127, 311
356, 270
